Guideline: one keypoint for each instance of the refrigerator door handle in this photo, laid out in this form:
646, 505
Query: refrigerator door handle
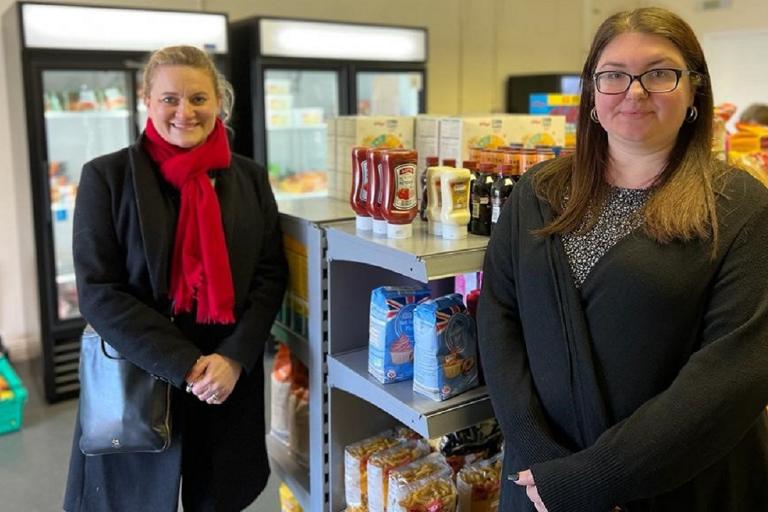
45, 192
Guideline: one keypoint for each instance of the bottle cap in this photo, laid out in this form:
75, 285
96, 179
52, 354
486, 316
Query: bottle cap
379, 227
435, 228
363, 223
399, 230
452, 232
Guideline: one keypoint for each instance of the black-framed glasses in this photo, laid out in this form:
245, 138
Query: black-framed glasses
652, 81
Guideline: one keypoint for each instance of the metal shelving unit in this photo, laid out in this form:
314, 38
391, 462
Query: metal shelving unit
304, 220
359, 406
349, 372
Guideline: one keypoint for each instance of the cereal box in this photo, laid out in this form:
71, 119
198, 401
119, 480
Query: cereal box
390, 348
445, 359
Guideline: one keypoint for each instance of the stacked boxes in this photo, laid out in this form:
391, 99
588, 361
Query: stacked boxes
459, 134
376, 132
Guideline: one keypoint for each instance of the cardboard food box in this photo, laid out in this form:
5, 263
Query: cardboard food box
427, 143
459, 134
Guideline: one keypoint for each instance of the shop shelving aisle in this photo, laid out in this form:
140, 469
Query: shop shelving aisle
304, 221
359, 406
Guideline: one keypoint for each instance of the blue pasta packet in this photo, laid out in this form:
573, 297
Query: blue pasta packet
390, 339
445, 359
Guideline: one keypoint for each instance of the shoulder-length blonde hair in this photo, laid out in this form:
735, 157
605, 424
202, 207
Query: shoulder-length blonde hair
195, 58
682, 206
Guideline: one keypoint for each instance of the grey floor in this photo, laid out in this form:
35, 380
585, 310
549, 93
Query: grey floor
33, 461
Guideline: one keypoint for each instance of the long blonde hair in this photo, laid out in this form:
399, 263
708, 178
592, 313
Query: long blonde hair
682, 206
194, 58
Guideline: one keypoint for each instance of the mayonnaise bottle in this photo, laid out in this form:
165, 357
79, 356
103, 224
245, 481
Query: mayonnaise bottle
434, 199
454, 213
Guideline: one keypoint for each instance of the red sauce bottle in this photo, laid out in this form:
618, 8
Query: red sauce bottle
374, 191
399, 204
358, 196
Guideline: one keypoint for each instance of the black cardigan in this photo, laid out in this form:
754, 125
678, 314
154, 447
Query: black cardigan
647, 388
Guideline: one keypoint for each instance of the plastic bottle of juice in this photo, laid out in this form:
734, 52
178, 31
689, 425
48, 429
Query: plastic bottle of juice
399, 202
480, 223
358, 196
500, 191
454, 215
431, 161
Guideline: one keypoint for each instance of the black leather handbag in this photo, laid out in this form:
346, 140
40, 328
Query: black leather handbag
123, 409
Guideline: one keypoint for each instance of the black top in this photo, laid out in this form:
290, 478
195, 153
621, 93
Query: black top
647, 388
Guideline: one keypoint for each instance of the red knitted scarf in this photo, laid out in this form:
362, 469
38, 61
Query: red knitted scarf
200, 265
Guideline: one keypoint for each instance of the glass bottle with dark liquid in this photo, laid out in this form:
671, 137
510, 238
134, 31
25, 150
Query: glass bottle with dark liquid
501, 190
480, 223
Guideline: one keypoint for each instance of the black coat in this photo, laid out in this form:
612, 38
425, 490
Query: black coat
645, 388
124, 225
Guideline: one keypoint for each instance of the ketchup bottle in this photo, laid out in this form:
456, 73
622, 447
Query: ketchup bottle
399, 202
358, 195
375, 183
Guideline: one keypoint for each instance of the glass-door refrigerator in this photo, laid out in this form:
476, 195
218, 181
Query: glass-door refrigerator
294, 76
83, 98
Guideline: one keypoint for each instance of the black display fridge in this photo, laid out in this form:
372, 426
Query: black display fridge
293, 76
83, 98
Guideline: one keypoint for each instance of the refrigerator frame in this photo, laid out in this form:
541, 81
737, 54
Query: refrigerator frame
250, 122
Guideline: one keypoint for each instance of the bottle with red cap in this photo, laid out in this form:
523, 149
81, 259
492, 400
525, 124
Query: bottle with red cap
358, 196
399, 202
375, 183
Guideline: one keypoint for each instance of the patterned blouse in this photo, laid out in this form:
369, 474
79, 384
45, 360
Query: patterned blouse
619, 217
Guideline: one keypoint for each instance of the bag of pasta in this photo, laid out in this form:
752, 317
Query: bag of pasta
356, 466
382, 463
435, 493
403, 479
479, 485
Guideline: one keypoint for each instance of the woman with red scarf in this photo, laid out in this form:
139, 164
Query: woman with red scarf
179, 263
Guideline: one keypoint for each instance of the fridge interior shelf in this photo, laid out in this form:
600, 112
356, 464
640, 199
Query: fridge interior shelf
65, 278
284, 464
88, 114
349, 372
423, 257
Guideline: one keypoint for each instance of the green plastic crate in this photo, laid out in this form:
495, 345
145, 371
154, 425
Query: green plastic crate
11, 409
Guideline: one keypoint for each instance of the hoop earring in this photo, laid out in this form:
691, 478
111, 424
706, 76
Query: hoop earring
691, 115
593, 115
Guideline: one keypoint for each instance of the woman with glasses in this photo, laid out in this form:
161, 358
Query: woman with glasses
623, 321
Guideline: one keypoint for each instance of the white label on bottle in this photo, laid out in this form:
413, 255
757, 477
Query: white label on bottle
495, 211
475, 209
364, 184
405, 187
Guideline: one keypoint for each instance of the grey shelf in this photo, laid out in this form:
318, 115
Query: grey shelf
284, 464
349, 372
423, 257
316, 210
299, 345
